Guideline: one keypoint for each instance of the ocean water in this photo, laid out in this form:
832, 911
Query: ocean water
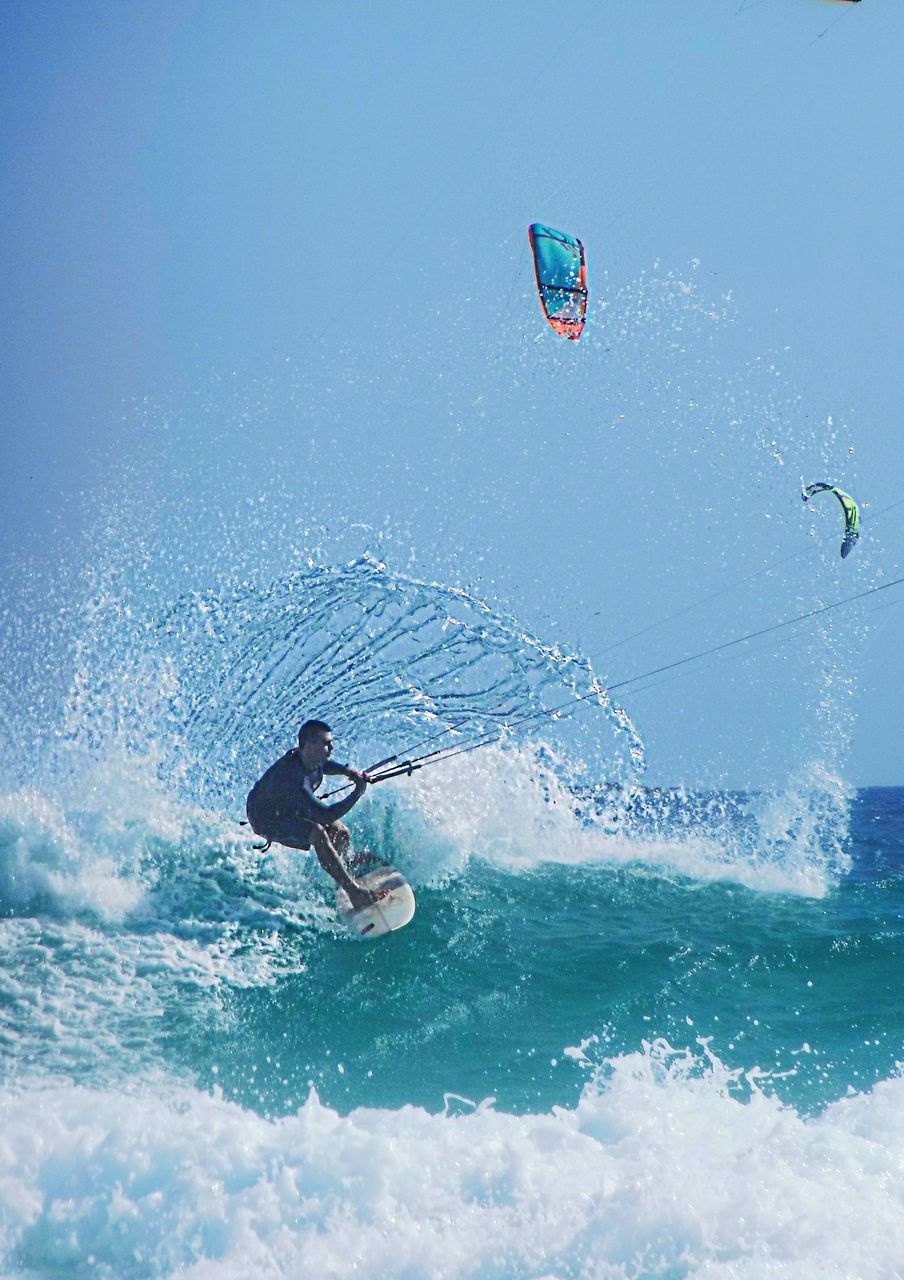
629, 1034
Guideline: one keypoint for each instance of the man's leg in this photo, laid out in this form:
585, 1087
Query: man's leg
355, 860
333, 865
340, 838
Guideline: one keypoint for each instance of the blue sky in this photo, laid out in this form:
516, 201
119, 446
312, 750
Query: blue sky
280, 250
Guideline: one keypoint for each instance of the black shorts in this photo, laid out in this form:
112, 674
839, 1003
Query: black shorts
292, 830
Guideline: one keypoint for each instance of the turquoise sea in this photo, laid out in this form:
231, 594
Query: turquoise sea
630, 1033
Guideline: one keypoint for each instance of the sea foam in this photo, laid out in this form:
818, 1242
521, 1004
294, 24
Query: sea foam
512, 807
669, 1166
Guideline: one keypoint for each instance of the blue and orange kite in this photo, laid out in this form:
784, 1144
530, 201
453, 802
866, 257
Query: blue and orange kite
561, 271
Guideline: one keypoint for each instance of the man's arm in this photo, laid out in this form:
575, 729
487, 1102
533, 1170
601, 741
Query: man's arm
324, 814
345, 770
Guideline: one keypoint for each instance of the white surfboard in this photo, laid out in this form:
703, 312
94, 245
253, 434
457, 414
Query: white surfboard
385, 916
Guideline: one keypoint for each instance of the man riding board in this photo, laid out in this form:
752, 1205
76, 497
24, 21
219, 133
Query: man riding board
283, 808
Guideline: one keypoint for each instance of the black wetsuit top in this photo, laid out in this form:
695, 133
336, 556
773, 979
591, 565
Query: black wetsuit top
283, 802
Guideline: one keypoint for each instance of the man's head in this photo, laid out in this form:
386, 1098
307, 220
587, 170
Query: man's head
315, 742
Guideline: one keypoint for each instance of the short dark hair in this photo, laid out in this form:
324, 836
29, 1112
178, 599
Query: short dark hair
309, 728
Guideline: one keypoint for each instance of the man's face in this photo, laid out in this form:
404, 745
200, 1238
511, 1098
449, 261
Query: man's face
317, 748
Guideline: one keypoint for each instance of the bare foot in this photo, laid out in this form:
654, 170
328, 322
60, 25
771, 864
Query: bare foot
365, 897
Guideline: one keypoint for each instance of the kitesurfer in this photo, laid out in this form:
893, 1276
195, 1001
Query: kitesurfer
283, 808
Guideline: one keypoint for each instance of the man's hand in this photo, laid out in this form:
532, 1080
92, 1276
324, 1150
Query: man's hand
358, 777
